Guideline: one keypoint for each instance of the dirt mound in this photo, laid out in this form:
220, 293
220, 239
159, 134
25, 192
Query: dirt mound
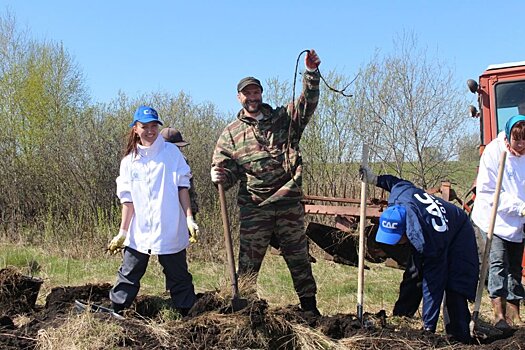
61, 299
211, 324
18, 292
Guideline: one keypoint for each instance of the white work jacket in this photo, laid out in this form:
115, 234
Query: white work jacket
509, 222
150, 180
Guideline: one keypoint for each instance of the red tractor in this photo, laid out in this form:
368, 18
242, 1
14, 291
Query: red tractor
501, 95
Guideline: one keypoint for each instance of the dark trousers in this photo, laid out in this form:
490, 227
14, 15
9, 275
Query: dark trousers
175, 268
410, 290
459, 316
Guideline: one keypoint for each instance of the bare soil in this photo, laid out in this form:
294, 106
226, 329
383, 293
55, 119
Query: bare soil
212, 324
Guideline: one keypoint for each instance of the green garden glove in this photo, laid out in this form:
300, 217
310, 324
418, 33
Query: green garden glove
117, 243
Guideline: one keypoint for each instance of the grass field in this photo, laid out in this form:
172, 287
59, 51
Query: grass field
337, 284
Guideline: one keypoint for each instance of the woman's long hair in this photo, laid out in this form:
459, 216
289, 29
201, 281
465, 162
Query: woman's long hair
133, 141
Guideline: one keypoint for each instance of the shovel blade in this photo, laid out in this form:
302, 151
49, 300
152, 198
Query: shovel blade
82, 306
239, 304
487, 333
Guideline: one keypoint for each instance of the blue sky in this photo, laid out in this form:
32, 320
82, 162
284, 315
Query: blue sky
204, 47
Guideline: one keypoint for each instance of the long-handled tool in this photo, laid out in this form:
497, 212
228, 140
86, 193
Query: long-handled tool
237, 302
362, 225
488, 242
82, 306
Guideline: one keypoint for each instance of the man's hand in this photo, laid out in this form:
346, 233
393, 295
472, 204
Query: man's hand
312, 61
367, 175
117, 243
193, 229
218, 175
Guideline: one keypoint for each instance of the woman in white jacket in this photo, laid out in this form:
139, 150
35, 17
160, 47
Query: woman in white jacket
506, 252
156, 215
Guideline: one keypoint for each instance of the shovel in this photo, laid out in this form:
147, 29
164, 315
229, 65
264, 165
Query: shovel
237, 302
82, 306
362, 224
474, 329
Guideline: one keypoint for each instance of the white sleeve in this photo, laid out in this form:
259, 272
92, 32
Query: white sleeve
183, 171
486, 182
124, 182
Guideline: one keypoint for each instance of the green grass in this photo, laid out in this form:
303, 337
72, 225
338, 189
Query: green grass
336, 283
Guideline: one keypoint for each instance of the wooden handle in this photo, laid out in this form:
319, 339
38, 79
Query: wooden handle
362, 225
228, 241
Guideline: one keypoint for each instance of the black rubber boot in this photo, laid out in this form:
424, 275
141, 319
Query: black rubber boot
117, 308
183, 311
309, 304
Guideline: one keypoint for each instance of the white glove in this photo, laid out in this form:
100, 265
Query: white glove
217, 175
367, 175
117, 243
522, 210
193, 229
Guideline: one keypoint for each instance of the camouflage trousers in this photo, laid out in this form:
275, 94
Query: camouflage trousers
286, 223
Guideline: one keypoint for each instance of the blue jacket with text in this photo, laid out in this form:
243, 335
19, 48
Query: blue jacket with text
443, 243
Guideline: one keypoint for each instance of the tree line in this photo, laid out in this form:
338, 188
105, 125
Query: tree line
60, 152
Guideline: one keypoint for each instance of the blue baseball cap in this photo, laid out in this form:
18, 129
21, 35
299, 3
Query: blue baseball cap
511, 122
392, 225
145, 114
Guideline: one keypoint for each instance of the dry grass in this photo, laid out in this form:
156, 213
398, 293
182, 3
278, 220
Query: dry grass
82, 331
307, 338
337, 284
256, 326
368, 342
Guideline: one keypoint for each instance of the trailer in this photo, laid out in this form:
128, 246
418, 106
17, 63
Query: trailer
339, 240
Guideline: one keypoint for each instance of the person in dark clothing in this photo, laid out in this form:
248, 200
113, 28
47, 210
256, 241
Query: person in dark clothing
444, 249
410, 291
173, 135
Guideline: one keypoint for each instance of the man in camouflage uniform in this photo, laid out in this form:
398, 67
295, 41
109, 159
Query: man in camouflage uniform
261, 150
173, 135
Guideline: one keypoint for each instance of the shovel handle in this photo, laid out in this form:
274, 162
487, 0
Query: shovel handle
362, 225
228, 241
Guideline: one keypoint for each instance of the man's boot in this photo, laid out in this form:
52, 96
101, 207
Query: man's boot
183, 311
309, 304
512, 313
499, 308
117, 308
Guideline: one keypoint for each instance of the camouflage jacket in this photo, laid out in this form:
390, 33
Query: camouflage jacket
264, 155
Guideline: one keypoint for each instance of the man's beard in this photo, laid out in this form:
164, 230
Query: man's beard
248, 106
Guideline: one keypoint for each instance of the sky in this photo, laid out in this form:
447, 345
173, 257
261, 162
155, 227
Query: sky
204, 48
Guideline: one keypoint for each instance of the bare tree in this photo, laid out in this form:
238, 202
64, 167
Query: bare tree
468, 147
414, 111
407, 106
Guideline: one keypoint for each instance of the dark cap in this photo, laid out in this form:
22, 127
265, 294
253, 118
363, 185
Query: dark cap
248, 81
173, 135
